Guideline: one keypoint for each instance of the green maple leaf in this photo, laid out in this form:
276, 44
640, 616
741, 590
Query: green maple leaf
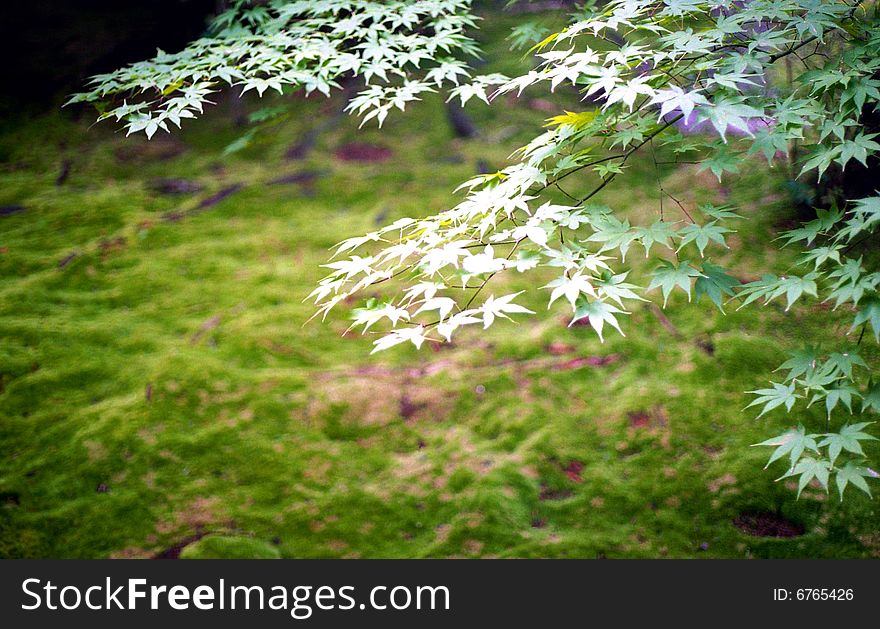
820, 255
858, 148
846, 361
702, 234
860, 90
772, 398
599, 313
658, 233
820, 158
722, 161
769, 142
615, 287
714, 283
797, 286
802, 361
793, 443
842, 393
869, 313
718, 213
730, 112
856, 475
847, 439
872, 397
809, 468
613, 233
668, 276
769, 287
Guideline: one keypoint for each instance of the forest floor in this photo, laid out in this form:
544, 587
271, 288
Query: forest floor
160, 394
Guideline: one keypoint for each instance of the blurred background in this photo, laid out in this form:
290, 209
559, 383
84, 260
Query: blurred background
162, 396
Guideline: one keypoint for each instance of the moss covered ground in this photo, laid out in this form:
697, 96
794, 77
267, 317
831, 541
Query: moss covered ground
158, 384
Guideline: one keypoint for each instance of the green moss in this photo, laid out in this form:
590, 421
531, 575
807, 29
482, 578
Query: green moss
158, 380
229, 547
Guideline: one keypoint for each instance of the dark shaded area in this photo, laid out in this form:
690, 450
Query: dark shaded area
63, 172
409, 408
858, 180
643, 418
160, 149
204, 204
9, 210
303, 177
363, 152
10, 498
587, 361
70, 257
839, 185
706, 345
767, 524
461, 123
548, 493
573, 471
57, 45
173, 552
302, 148
174, 186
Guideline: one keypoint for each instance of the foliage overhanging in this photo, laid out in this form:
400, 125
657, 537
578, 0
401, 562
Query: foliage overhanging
695, 79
